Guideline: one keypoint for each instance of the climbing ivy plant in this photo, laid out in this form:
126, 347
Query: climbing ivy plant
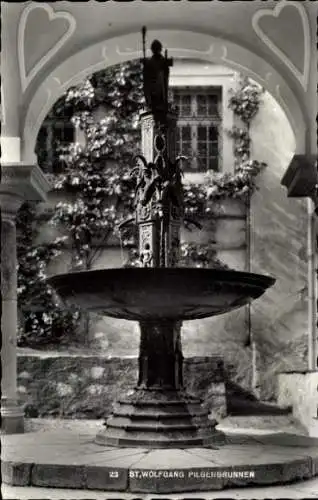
245, 103
96, 193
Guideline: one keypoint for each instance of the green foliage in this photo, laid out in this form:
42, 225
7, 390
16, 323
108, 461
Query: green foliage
96, 179
193, 254
242, 143
45, 319
97, 174
245, 102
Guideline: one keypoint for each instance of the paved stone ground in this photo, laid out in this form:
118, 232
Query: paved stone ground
251, 424
305, 489
62, 454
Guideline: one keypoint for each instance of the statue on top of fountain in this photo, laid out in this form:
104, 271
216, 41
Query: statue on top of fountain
156, 79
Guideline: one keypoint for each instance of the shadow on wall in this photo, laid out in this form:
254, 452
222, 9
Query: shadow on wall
279, 319
242, 402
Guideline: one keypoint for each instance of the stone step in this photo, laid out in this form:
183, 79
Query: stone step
239, 406
169, 409
154, 443
112, 436
155, 426
156, 403
282, 423
136, 414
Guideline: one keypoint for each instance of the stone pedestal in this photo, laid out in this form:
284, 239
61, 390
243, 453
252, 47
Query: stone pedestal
19, 183
160, 358
159, 413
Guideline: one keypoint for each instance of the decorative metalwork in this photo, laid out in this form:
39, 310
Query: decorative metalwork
159, 203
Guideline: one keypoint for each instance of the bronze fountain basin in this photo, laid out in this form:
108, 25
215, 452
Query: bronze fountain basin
141, 294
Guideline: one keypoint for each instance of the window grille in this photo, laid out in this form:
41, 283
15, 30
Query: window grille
199, 126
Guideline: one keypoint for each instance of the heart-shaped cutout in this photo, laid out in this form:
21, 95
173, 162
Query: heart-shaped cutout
62, 37
302, 74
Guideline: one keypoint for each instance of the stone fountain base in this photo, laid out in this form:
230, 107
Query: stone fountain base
160, 414
66, 456
159, 418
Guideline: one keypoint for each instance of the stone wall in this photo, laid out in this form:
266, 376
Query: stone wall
87, 386
279, 248
300, 390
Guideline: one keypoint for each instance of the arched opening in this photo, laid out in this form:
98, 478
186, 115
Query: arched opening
181, 44
277, 154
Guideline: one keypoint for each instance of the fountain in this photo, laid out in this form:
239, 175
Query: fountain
159, 295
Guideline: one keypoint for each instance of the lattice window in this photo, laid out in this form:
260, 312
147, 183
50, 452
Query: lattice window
199, 125
53, 133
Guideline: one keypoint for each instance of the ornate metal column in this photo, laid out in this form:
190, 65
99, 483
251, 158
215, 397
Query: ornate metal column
158, 216
159, 203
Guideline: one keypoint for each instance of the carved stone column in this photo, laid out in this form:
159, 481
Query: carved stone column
12, 414
19, 183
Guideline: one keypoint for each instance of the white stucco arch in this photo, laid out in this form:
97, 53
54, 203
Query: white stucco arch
180, 44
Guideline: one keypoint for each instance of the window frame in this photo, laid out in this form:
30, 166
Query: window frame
194, 121
50, 126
